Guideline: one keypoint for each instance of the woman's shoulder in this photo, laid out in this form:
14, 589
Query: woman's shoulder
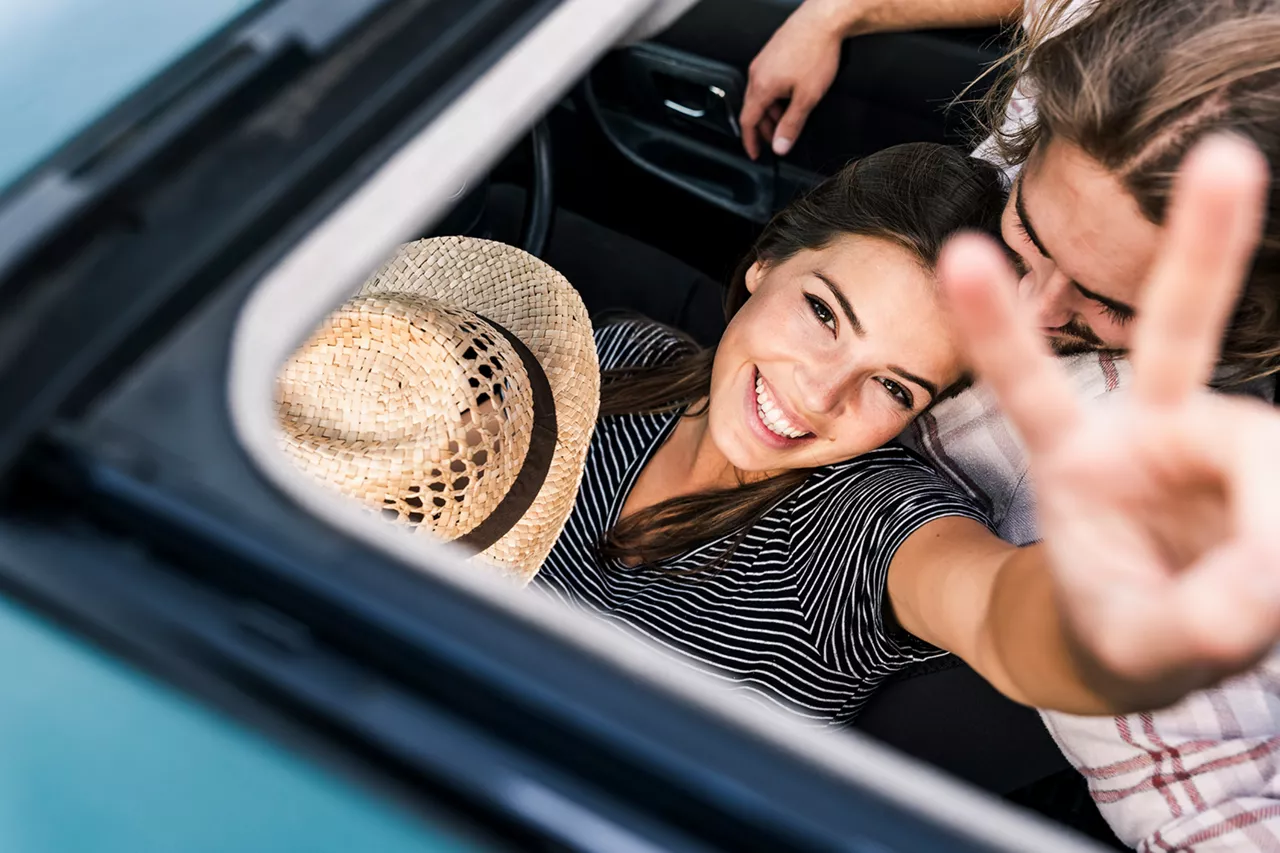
892, 458
639, 342
892, 478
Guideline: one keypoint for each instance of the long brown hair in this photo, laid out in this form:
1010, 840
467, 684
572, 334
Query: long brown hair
916, 195
1134, 84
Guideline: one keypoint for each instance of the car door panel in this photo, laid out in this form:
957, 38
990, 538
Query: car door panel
891, 88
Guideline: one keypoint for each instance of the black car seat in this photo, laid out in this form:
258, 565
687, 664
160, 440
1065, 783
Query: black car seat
613, 271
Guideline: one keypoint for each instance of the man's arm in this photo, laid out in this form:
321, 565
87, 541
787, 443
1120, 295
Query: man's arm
880, 16
800, 61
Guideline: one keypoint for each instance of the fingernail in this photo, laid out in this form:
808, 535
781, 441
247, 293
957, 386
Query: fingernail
781, 145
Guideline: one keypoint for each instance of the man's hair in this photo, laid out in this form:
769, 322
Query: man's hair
1134, 84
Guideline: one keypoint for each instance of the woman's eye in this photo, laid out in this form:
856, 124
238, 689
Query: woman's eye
821, 311
899, 393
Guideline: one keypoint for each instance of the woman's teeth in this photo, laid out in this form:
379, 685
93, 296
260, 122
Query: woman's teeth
772, 416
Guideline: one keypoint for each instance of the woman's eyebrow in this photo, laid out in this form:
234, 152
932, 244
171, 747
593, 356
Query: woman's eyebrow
862, 332
919, 380
854, 323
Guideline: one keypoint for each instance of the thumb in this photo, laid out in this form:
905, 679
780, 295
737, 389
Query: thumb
792, 122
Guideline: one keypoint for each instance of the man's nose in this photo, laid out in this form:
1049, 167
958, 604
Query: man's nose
1048, 293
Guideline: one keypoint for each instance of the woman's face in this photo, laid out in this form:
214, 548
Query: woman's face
836, 351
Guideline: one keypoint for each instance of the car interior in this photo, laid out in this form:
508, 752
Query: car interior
133, 515
649, 183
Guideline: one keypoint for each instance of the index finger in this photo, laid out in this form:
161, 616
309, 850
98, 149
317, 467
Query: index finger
1006, 350
753, 107
1215, 221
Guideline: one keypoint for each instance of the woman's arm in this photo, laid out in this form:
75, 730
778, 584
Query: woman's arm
957, 586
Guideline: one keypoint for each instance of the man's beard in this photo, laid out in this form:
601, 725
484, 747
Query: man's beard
1074, 338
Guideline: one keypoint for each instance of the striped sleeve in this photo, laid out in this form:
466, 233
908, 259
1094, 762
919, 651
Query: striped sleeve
639, 343
877, 506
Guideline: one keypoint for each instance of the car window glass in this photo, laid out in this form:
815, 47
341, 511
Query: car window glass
65, 62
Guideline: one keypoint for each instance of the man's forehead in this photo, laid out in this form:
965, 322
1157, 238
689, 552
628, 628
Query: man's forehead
1087, 221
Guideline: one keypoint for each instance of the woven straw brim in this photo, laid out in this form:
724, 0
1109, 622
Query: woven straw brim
534, 302
419, 409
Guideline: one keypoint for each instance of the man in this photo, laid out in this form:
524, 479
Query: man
1118, 106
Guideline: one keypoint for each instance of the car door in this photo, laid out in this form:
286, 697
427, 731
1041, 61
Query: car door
890, 87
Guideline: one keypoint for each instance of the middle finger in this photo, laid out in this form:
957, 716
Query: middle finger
1214, 222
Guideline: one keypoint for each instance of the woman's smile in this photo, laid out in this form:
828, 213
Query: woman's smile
770, 420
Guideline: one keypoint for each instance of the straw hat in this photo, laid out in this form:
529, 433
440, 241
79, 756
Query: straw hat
454, 395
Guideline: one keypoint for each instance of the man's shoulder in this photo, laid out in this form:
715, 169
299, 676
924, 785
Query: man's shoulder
974, 412
970, 440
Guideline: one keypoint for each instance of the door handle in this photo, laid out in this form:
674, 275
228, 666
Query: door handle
728, 110
717, 111
691, 112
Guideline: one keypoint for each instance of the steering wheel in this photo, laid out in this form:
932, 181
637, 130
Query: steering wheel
468, 215
540, 202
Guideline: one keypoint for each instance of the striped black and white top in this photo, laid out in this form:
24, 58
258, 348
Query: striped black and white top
796, 616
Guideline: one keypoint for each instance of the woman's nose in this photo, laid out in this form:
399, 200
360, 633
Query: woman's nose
1049, 295
823, 387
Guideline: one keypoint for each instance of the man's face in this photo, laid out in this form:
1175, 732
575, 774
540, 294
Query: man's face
1085, 247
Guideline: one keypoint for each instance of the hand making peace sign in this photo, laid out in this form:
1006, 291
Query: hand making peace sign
1160, 510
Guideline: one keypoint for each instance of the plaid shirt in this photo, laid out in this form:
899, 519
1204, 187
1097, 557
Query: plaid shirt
1202, 775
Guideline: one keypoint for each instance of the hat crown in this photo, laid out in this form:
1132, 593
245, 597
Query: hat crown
535, 428
420, 408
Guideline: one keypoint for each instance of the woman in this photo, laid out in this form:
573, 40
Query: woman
739, 504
